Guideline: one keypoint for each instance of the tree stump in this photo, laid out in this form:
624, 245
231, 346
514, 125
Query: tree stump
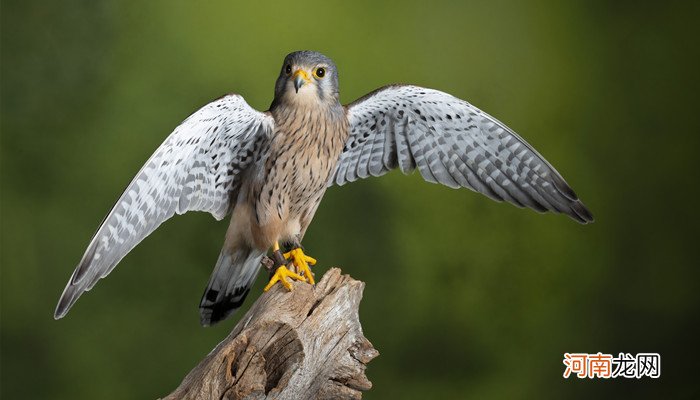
303, 344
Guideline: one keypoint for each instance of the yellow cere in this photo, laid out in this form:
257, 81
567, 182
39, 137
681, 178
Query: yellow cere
303, 75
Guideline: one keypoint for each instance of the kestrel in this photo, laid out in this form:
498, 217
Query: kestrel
270, 170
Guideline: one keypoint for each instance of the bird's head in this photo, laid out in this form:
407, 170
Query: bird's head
307, 78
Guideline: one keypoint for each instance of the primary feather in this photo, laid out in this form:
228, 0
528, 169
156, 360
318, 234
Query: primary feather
453, 143
195, 169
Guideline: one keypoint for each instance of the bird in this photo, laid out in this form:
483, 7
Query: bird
269, 171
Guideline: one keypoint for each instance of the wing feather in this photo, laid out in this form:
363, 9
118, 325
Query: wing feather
453, 143
195, 169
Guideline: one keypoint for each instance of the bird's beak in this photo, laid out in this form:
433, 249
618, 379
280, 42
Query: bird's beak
300, 78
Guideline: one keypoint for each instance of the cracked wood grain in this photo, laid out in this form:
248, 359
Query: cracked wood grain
303, 344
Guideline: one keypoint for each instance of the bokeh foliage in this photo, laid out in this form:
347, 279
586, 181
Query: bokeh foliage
465, 297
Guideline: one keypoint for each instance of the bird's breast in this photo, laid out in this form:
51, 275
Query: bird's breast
303, 154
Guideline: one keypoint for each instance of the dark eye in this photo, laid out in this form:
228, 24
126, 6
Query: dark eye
288, 69
320, 72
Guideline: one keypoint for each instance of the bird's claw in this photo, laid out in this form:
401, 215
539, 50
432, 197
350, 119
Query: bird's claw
281, 276
302, 262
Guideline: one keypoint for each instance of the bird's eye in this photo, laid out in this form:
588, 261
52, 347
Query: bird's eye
288, 69
320, 72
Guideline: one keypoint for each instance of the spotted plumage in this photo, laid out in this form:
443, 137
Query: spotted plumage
453, 143
271, 169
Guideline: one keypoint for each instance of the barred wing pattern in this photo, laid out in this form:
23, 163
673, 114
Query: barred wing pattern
195, 169
453, 143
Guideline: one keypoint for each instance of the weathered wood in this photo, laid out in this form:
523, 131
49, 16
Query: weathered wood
303, 344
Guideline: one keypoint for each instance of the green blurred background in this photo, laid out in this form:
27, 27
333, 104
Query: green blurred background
465, 297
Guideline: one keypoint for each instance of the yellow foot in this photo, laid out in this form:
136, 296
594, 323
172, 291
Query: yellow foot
301, 261
281, 276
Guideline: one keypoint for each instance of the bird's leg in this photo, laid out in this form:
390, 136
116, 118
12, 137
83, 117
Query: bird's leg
277, 256
301, 261
281, 272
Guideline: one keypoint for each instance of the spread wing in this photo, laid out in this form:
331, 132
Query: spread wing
197, 168
453, 143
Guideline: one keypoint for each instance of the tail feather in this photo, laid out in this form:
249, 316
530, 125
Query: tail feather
234, 274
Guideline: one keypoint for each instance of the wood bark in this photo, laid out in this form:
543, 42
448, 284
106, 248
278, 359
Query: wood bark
303, 344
